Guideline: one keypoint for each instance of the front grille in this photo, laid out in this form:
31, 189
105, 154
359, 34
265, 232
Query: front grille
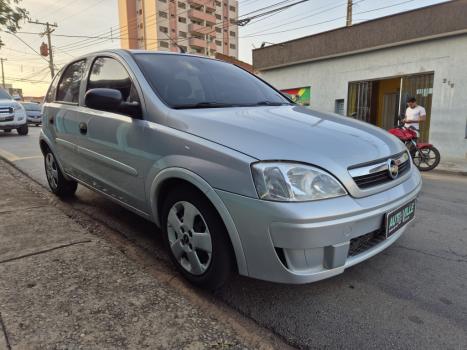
6, 119
361, 244
6, 110
379, 177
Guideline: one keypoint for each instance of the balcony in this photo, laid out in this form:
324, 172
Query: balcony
209, 4
202, 16
202, 44
203, 30
198, 43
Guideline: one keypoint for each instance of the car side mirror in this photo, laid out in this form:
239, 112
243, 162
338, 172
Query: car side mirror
103, 99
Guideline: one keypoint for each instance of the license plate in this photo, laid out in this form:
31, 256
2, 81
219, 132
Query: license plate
399, 217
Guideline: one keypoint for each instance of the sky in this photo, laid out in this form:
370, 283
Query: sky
26, 69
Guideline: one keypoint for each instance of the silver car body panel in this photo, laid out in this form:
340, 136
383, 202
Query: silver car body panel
128, 160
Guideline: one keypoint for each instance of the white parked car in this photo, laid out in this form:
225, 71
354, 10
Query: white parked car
12, 114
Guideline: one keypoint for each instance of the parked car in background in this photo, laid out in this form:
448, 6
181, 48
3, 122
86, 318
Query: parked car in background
12, 114
33, 112
237, 176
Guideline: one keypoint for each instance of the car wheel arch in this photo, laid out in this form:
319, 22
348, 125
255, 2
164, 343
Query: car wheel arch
173, 176
45, 145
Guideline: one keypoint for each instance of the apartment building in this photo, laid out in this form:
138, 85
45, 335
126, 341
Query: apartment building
202, 27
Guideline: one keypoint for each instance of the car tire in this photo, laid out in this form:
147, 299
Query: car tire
23, 130
7, 130
187, 219
60, 186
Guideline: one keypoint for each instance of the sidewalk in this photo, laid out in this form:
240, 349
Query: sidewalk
62, 287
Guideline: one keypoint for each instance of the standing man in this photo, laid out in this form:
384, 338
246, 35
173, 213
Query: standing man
414, 115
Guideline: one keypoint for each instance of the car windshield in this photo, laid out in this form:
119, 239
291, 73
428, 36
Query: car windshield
4, 95
32, 106
184, 82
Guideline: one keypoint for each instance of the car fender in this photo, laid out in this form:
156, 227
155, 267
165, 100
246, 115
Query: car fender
203, 186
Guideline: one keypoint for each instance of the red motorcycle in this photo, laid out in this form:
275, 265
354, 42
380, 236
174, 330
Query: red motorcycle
425, 156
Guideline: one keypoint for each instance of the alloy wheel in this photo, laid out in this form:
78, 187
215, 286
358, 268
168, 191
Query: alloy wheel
51, 170
189, 237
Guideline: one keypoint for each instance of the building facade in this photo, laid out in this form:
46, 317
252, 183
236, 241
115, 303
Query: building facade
202, 27
368, 72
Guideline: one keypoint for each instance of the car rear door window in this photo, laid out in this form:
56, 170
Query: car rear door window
70, 82
108, 73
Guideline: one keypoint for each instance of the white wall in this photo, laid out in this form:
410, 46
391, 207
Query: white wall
447, 57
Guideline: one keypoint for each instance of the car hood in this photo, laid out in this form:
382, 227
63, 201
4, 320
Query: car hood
8, 103
292, 133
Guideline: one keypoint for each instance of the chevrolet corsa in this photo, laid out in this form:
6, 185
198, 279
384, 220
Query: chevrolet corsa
237, 177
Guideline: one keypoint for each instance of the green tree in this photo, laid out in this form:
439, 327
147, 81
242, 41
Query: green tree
11, 14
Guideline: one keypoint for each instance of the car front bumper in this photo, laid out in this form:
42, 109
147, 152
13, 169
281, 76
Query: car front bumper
12, 124
34, 119
310, 241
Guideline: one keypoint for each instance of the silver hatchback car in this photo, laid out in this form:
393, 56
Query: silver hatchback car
237, 177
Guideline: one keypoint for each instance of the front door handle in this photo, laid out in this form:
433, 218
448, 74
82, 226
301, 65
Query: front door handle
51, 119
83, 128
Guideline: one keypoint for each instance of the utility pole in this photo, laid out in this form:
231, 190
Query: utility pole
3, 73
48, 32
349, 13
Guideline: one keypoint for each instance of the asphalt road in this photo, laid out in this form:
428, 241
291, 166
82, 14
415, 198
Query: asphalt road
413, 295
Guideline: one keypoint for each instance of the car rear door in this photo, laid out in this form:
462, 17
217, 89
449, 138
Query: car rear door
61, 114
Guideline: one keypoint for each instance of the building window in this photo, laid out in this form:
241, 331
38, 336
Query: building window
182, 34
218, 4
182, 5
218, 43
232, 34
140, 11
339, 106
162, 14
163, 29
164, 44
232, 21
233, 47
218, 16
218, 30
182, 19
164, 1
232, 8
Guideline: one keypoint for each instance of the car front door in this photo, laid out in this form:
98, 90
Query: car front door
111, 143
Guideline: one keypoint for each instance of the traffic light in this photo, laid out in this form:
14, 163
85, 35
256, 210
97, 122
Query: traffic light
44, 49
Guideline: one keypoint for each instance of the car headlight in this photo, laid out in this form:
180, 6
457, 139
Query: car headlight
19, 111
294, 182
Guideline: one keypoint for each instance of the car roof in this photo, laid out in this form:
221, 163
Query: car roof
134, 51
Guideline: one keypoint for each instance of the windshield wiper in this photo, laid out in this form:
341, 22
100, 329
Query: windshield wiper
204, 105
270, 103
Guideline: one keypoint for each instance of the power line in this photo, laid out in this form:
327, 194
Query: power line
327, 21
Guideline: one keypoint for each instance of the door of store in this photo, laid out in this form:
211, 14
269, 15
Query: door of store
381, 101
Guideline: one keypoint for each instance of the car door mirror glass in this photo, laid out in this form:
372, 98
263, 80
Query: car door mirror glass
103, 99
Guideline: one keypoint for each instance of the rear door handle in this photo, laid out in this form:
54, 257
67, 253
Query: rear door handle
51, 119
83, 128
